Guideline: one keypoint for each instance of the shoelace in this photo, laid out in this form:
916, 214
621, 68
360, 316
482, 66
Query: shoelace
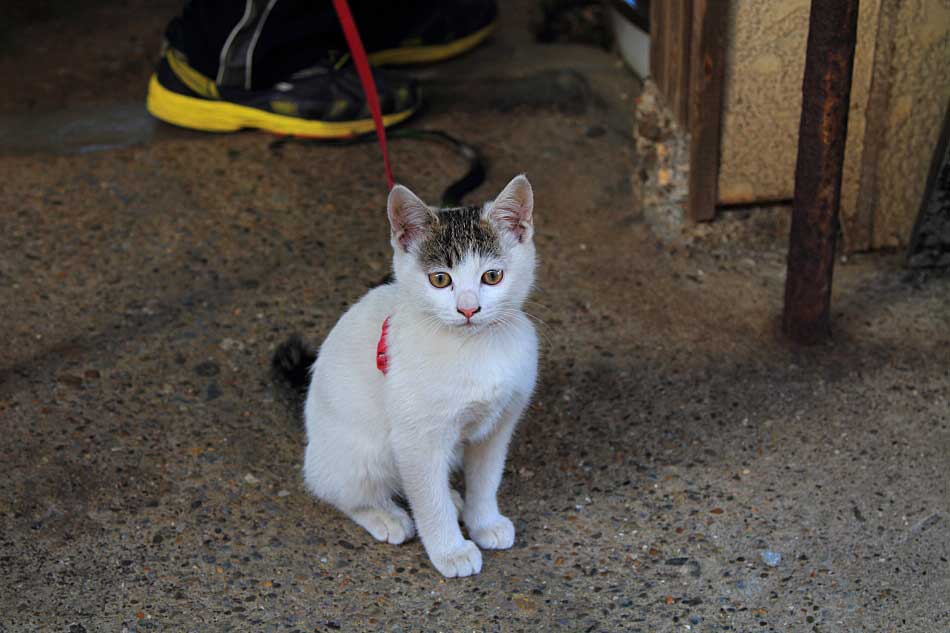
366, 78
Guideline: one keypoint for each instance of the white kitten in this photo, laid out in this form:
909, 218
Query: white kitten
460, 365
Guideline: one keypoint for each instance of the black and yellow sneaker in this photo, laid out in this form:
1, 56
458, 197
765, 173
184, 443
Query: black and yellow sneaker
268, 64
427, 33
323, 101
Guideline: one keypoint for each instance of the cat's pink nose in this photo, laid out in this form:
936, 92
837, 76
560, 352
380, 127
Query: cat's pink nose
469, 312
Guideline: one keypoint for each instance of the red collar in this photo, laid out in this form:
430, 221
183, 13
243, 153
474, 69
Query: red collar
382, 357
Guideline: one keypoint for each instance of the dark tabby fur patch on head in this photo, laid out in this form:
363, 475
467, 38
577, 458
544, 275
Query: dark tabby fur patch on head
455, 232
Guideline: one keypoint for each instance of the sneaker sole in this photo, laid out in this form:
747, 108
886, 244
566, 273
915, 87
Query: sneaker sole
223, 116
428, 54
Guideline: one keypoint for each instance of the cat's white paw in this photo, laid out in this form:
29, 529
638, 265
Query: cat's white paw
457, 501
390, 525
497, 533
462, 560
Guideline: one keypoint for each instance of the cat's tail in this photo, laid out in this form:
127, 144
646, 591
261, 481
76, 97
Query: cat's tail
292, 362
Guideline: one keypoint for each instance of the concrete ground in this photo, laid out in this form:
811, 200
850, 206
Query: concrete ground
681, 468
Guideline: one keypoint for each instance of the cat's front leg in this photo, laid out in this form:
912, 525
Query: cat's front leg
484, 466
424, 463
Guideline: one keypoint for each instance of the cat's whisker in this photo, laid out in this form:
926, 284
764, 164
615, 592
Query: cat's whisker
543, 331
511, 314
433, 324
538, 304
543, 327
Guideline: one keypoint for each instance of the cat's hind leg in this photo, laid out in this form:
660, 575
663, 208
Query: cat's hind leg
360, 482
371, 506
388, 522
385, 522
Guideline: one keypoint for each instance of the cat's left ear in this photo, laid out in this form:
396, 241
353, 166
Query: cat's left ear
514, 206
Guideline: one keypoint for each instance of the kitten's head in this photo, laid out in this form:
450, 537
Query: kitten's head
468, 267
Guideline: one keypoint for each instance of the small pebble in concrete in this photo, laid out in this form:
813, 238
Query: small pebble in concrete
770, 558
595, 130
207, 368
214, 391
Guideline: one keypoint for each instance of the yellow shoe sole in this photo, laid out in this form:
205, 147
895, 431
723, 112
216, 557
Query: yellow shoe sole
222, 116
428, 54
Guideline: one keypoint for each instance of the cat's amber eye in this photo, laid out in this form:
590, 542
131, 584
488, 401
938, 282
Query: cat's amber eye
492, 277
440, 280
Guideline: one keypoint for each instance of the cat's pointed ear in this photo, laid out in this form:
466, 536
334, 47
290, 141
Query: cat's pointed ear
408, 216
514, 207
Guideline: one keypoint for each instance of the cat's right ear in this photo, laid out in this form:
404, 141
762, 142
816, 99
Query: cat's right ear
408, 216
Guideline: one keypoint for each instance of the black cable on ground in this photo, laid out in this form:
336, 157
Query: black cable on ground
453, 194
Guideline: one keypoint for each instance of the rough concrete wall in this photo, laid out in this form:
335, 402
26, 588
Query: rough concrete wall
919, 91
762, 106
762, 99
900, 87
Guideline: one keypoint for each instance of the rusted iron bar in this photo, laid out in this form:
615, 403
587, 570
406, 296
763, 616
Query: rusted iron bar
826, 94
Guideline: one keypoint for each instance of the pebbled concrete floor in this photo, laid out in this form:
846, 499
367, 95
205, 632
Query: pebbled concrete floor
681, 469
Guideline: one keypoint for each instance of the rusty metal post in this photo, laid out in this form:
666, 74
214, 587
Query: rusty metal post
826, 93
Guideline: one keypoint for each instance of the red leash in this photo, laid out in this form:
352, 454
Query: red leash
372, 100
366, 78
